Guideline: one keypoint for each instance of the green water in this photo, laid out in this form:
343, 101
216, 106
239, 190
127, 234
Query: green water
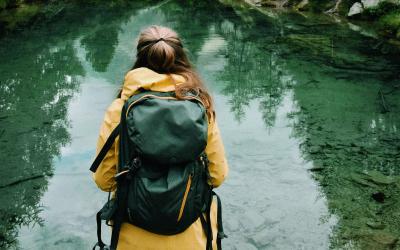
292, 94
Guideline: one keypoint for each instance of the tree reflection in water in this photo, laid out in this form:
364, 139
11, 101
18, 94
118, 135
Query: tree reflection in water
339, 75
39, 77
100, 54
251, 72
34, 125
264, 57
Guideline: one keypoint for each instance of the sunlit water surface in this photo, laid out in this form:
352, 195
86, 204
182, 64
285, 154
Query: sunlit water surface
57, 82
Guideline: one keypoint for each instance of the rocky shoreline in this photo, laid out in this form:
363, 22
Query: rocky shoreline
16, 15
383, 14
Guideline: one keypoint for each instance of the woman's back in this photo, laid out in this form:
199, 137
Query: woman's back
178, 78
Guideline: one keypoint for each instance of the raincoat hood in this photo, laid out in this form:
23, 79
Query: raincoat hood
147, 79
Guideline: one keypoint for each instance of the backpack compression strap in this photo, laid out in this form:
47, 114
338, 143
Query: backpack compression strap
220, 234
105, 149
207, 224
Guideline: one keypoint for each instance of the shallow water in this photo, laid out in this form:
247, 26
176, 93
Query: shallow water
291, 94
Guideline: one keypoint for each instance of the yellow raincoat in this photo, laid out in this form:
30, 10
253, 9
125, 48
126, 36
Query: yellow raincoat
132, 237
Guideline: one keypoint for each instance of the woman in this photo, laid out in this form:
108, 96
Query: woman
163, 66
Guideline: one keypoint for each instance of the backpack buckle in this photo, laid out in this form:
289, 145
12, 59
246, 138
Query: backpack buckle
101, 246
221, 235
130, 168
135, 163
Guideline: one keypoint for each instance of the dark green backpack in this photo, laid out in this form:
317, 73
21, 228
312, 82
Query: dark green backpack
162, 185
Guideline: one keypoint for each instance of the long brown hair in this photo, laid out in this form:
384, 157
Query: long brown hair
160, 49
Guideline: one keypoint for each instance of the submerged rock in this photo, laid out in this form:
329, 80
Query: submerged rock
316, 168
372, 179
356, 9
314, 149
302, 5
360, 179
371, 3
379, 178
385, 238
375, 225
379, 197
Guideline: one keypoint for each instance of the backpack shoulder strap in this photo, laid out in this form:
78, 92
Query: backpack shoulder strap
105, 149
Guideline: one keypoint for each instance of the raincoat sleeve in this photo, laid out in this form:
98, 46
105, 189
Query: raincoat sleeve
215, 151
104, 176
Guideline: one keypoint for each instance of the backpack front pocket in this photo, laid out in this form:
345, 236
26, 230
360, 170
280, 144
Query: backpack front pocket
162, 203
184, 199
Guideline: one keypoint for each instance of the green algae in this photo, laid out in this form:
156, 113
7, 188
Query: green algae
17, 15
347, 134
390, 23
20, 16
359, 174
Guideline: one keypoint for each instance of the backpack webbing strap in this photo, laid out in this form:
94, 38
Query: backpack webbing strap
209, 236
105, 149
115, 233
122, 197
100, 242
206, 224
220, 234
206, 229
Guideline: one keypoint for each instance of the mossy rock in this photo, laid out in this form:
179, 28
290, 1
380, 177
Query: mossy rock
360, 179
19, 16
320, 6
375, 224
379, 240
382, 9
372, 178
391, 23
317, 43
345, 6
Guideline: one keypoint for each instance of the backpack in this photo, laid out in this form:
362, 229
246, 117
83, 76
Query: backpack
162, 179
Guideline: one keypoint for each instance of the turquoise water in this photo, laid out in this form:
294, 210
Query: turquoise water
292, 93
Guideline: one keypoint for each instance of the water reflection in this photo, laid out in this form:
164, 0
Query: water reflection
339, 76
257, 190
282, 72
100, 54
177, 15
38, 79
273, 191
35, 89
251, 72
356, 164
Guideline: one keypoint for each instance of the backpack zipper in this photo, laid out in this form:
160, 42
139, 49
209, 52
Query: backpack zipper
159, 97
129, 215
188, 184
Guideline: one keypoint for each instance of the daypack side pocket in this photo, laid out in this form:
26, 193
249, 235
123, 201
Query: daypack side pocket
108, 210
106, 213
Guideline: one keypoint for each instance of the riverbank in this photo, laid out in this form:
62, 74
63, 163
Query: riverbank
15, 15
382, 15
18, 15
